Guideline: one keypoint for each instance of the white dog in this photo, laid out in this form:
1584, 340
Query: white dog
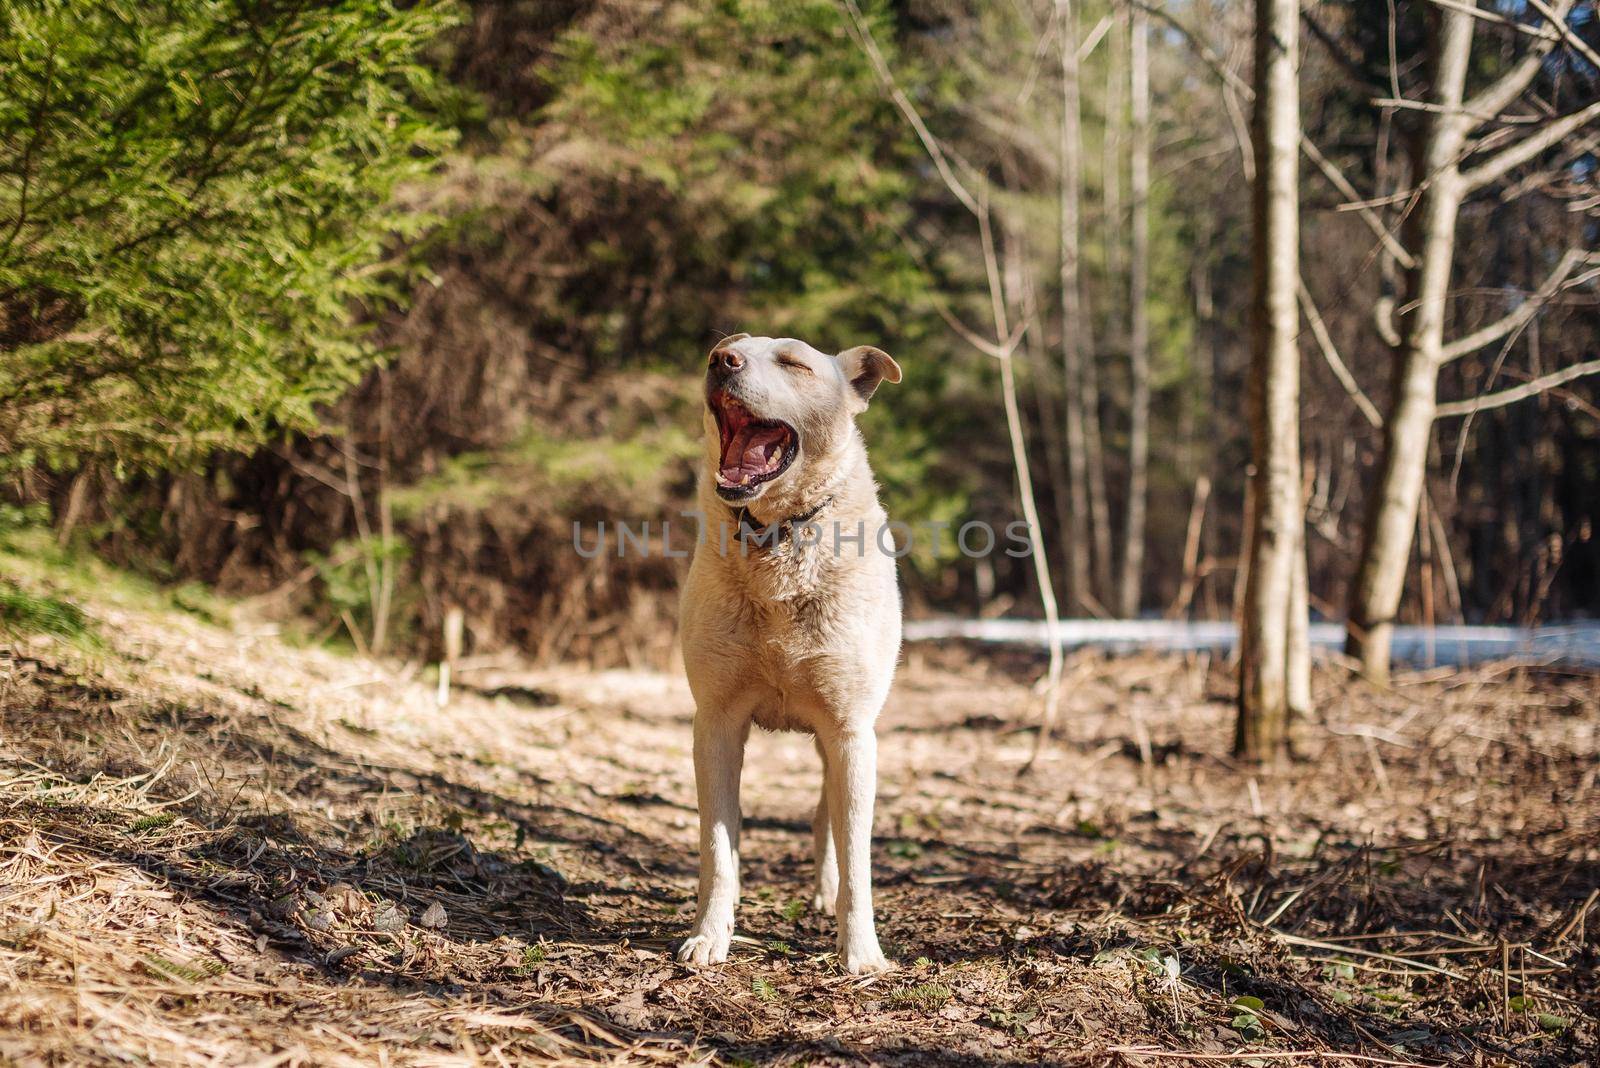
790, 616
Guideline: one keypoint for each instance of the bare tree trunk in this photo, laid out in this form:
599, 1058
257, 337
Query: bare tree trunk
1111, 147
1076, 548
1129, 588
1397, 490
1099, 507
1272, 676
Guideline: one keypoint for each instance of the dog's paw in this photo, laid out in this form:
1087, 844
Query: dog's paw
705, 948
865, 961
823, 903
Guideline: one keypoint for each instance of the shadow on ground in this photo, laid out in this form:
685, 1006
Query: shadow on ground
1027, 934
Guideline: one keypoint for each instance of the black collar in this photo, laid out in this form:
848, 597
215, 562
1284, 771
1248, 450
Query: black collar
751, 533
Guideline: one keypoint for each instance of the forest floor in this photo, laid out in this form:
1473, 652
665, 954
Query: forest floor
219, 849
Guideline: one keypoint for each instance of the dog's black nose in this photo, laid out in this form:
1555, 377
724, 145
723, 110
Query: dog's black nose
727, 361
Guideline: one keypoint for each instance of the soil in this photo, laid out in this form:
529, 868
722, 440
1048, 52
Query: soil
217, 849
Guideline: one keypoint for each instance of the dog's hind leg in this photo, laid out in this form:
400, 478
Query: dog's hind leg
827, 894
718, 760
852, 772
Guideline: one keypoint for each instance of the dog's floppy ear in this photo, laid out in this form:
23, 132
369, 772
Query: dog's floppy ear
864, 367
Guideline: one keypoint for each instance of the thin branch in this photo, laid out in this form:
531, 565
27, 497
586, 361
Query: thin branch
1329, 170
1374, 221
1580, 148
1573, 41
1000, 351
1241, 132
1533, 388
1554, 283
1037, 62
1383, 321
1511, 84
1494, 372
1401, 103
1341, 371
1530, 146
1091, 42
1005, 344
880, 66
1544, 33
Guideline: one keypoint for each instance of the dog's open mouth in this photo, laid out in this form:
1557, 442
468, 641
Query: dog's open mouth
753, 450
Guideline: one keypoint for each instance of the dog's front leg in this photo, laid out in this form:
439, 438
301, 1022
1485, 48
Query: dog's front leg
718, 759
826, 898
851, 770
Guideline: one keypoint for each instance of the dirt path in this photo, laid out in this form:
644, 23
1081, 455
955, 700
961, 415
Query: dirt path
216, 849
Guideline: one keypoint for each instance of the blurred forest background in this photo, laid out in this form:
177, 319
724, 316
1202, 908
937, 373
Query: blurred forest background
356, 308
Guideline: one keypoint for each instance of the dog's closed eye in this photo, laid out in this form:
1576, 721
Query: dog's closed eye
794, 364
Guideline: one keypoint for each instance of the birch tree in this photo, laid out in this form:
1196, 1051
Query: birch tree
1274, 666
1469, 143
1129, 586
1077, 547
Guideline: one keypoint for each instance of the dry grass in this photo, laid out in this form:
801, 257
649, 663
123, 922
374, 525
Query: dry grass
218, 850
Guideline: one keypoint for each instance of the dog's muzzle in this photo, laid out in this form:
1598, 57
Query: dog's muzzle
752, 451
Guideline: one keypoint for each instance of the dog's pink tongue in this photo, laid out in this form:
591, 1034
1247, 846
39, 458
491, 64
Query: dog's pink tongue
753, 451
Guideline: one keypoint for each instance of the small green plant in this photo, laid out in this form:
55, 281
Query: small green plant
531, 956
1246, 1020
357, 584
780, 947
191, 972
1013, 1022
928, 997
198, 601
153, 822
1151, 958
40, 614
764, 990
905, 849
794, 910
1338, 969
1547, 1021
